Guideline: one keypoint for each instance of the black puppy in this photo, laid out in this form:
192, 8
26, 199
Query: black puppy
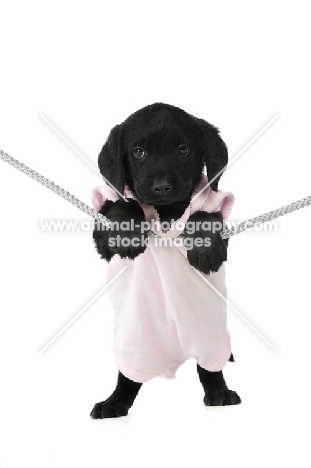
160, 152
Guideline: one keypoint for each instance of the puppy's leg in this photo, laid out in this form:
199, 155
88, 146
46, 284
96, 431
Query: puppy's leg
216, 390
119, 402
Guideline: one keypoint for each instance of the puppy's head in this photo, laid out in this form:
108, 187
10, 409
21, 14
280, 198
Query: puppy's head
160, 152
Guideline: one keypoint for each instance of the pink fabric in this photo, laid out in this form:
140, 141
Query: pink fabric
164, 313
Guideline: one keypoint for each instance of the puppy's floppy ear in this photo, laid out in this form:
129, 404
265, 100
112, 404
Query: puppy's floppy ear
215, 154
111, 159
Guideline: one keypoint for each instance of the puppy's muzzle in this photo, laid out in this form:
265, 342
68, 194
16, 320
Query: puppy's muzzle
162, 188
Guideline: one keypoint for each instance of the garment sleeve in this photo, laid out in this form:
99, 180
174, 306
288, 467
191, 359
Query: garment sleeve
226, 204
102, 193
219, 201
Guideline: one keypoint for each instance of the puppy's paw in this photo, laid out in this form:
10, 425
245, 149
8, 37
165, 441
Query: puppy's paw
128, 237
109, 409
208, 259
221, 398
128, 244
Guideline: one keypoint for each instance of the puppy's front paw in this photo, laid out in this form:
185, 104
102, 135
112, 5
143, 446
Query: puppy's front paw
109, 409
128, 244
221, 398
127, 236
208, 258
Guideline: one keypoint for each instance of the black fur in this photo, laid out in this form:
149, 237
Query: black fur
176, 147
119, 401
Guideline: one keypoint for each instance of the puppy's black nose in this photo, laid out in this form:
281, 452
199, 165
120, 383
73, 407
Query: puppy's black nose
162, 187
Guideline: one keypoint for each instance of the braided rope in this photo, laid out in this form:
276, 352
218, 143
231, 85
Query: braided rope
55, 188
105, 221
266, 217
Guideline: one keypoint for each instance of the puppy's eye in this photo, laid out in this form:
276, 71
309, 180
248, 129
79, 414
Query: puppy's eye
139, 152
184, 150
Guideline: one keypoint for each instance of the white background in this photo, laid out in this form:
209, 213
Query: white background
86, 66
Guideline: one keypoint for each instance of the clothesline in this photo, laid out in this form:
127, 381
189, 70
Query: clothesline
228, 232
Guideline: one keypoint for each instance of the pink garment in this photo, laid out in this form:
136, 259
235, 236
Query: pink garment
164, 313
